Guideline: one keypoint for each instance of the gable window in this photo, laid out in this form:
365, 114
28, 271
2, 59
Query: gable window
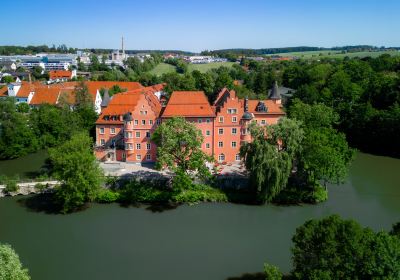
234, 130
101, 130
220, 131
232, 111
221, 119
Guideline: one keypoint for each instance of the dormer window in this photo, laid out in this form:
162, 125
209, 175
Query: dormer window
261, 107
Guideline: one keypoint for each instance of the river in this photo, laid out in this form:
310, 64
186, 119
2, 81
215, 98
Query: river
206, 241
28, 166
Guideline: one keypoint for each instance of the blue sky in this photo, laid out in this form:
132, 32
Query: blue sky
200, 25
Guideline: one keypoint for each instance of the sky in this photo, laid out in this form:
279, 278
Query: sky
200, 25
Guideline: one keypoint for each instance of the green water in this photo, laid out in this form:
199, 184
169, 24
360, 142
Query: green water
24, 167
206, 241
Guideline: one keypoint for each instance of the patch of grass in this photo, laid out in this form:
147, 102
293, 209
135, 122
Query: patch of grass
208, 66
162, 68
314, 55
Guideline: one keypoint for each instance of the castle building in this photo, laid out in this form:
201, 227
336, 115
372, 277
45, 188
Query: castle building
125, 126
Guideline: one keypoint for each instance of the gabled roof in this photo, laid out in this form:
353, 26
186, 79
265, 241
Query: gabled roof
45, 96
54, 74
4, 91
272, 107
188, 104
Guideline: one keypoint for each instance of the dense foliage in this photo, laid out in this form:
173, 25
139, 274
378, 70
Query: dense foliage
75, 166
333, 248
10, 265
179, 149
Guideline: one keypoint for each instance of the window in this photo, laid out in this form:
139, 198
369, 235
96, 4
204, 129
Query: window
199, 120
237, 158
220, 131
151, 122
221, 157
102, 142
101, 130
221, 119
148, 146
129, 134
136, 122
138, 157
234, 144
112, 130
128, 146
263, 122
143, 112
143, 122
220, 144
147, 134
234, 119
124, 156
208, 133
207, 145
208, 120
137, 134
148, 157
158, 121
126, 134
234, 130
232, 111
137, 146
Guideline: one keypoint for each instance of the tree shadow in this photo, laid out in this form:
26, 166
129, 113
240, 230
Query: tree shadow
249, 276
45, 203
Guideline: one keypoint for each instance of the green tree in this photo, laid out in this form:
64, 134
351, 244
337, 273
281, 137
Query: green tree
23, 107
7, 79
76, 167
10, 265
17, 137
269, 157
342, 249
272, 272
179, 148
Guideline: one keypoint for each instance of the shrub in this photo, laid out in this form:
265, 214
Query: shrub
40, 187
272, 272
11, 186
138, 191
181, 181
107, 196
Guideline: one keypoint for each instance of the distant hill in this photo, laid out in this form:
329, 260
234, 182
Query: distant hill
266, 51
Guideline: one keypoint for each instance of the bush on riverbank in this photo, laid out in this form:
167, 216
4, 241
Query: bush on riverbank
296, 195
147, 192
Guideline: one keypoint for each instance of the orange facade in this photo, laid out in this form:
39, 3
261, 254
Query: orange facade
124, 127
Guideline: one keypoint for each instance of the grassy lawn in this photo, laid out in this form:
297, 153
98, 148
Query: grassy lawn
162, 68
208, 66
337, 54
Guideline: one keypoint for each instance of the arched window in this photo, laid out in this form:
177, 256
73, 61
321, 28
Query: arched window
221, 157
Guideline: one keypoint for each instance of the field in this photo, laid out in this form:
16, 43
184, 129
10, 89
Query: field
163, 68
337, 54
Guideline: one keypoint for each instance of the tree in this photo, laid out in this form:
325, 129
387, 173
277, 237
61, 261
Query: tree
272, 272
76, 167
82, 95
7, 79
17, 136
342, 249
269, 157
10, 265
179, 148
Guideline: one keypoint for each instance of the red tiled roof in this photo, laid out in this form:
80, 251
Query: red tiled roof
4, 91
188, 104
45, 96
56, 74
273, 108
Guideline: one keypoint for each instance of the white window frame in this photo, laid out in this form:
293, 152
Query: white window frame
136, 122
138, 146
220, 131
233, 144
148, 157
112, 130
234, 129
208, 132
137, 134
207, 145
221, 157
102, 142
138, 157
143, 122
220, 144
102, 130
148, 146
234, 119
237, 157
221, 119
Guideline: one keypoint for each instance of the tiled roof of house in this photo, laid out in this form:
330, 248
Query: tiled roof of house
188, 104
4, 91
27, 88
272, 107
56, 74
45, 96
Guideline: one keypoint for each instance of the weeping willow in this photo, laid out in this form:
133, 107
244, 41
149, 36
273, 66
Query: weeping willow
268, 163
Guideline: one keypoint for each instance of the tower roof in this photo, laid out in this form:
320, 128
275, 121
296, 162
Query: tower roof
274, 93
